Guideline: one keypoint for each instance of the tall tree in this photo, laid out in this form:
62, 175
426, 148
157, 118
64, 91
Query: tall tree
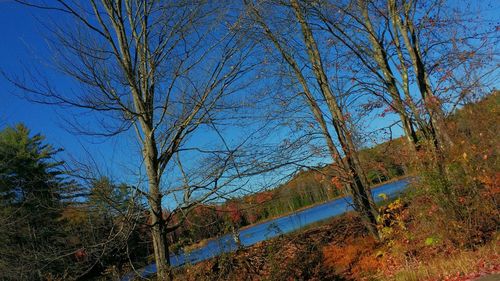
353, 27
31, 185
402, 18
415, 51
162, 69
348, 161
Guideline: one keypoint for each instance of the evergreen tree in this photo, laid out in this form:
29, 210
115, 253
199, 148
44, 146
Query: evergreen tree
30, 190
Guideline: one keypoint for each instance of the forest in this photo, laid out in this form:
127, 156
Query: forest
184, 123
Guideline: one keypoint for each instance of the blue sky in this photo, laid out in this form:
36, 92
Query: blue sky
22, 43
21, 37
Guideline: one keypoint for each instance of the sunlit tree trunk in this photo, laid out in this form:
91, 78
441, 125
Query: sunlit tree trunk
362, 196
158, 226
381, 58
354, 179
437, 118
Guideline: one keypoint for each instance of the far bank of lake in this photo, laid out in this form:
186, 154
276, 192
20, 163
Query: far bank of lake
274, 227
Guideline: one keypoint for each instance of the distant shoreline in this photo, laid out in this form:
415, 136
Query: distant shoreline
319, 203
203, 242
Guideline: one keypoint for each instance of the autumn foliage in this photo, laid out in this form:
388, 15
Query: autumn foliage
352, 257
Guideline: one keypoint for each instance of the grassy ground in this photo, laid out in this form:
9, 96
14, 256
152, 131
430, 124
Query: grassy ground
464, 265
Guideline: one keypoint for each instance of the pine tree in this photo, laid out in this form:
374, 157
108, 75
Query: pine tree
30, 187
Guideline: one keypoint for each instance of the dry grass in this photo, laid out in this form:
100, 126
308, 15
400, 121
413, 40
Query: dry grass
464, 265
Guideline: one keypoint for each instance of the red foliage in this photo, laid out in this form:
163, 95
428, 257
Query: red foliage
252, 218
491, 183
263, 197
353, 257
337, 183
235, 214
80, 254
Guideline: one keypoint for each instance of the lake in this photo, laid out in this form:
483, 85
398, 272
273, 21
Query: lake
272, 228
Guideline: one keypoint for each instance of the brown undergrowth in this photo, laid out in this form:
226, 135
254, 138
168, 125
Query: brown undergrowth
420, 241
414, 246
297, 256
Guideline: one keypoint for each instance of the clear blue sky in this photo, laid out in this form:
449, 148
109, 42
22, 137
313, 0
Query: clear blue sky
21, 36
22, 41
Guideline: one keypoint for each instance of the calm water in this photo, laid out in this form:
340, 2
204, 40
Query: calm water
272, 228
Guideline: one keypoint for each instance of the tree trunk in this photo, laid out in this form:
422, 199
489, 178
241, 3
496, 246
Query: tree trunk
363, 200
160, 246
158, 226
159, 235
381, 58
391, 6
311, 101
437, 118
360, 190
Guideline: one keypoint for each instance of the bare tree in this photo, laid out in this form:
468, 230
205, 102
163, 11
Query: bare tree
402, 44
348, 162
353, 28
162, 69
431, 38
